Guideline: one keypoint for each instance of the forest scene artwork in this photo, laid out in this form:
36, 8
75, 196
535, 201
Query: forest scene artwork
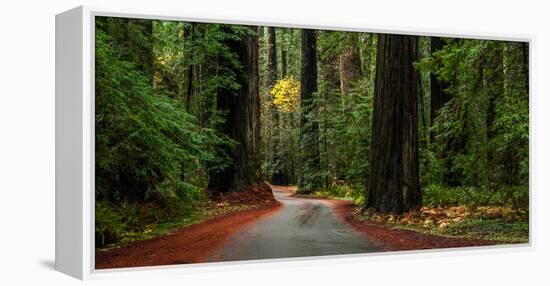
217, 142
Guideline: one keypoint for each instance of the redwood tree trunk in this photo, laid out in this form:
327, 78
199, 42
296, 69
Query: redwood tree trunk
309, 127
242, 121
393, 184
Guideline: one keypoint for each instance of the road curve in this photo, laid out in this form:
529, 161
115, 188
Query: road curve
302, 227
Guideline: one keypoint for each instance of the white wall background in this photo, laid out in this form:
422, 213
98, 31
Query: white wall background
27, 141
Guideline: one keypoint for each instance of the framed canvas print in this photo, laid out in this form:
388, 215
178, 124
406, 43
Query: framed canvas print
183, 141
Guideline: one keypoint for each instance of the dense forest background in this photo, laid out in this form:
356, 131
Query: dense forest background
186, 111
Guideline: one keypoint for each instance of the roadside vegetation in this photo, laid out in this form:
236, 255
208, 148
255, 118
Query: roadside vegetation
453, 212
119, 225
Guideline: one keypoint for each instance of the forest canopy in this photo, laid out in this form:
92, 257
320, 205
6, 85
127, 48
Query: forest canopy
187, 111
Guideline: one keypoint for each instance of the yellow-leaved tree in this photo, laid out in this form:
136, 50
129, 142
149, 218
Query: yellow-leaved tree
286, 94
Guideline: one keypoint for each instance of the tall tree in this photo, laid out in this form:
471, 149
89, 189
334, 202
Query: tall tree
309, 127
349, 63
242, 121
439, 96
191, 41
515, 102
393, 184
289, 140
283, 63
272, 55
525, 58
495, 90
277, 176
134, 39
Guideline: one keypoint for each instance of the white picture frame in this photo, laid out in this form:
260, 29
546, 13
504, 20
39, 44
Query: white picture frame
74, 125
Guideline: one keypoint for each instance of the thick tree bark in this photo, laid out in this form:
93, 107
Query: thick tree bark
438, 96
309, 127
393, 184
242, 122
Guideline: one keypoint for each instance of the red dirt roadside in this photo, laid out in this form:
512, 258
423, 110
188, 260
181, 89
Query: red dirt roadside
391, 239
195, 243
189, 245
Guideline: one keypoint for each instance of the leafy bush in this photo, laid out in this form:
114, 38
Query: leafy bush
146, 142
438, 195
151, 153
494, 229
115, 223
441, 196
109, 227
355, 194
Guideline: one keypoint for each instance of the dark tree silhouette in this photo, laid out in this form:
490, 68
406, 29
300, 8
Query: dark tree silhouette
393, 184
309, 128
242, 122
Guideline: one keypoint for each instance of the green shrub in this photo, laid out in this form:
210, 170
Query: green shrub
115, 223
438, 195
146, 141
514, 196
109, 227
494, 229
355, 194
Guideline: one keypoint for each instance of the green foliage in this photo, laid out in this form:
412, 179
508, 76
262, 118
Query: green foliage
353, 135
481, 134
151, 152
343, 192
127, 221
343, 120
439, 196
145, 142
333, 43
157, 84
311, 172
442, 196
180, 45
109, 227
493, 229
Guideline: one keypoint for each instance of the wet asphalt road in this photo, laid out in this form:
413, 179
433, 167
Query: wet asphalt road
302, 227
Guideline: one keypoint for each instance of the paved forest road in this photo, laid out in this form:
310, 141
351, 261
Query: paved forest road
302, 227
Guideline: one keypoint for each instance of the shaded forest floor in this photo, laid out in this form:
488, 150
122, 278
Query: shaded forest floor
193, 238
430, 229
435, 227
